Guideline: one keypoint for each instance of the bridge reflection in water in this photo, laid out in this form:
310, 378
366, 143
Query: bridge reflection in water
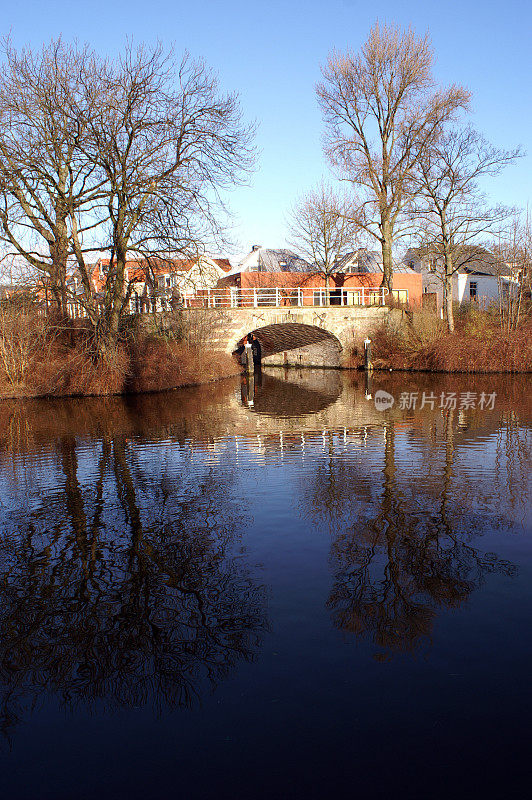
294, 393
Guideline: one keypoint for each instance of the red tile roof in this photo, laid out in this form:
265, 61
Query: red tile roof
136, 269
223, 263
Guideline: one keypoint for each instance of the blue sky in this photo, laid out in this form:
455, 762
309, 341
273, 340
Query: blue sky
271, 54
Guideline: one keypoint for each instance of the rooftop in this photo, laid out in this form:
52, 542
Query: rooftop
470, 260
368, 261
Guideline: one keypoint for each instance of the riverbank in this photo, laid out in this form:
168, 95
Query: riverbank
478, 345
39, 358
48, 361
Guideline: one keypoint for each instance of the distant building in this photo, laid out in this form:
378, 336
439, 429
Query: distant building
152, 285
356, 279
263, 259
406, 284
479, 277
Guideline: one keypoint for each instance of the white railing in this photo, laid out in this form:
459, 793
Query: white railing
282, 296
259, 297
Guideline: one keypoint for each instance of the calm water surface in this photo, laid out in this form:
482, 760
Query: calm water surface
274, 590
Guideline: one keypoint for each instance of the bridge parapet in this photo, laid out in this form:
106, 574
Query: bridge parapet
285, 297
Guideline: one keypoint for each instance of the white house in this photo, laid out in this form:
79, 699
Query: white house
479, 277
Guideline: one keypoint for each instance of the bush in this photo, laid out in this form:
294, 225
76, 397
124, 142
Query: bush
472, 320
158, 363
24, 336
39, 357
74, 370
478, 345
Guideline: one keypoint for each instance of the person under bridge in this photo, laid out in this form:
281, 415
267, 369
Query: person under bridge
256, 350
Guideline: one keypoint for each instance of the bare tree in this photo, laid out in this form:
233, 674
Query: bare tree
514, 250
381, 109
131, 155
322, 229
46, 181
451, 208
167, 143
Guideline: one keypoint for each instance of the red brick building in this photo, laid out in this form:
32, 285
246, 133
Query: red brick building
267, 275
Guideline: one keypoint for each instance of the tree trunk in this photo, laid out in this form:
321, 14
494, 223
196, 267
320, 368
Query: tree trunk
59, 249
115, 292
448, 292
387, 263
56, 291
113, 319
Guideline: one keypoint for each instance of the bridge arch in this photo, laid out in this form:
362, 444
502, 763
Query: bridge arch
311, 337
296, 342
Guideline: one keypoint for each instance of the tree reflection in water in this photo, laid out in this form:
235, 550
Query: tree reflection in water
403, 547
129, 591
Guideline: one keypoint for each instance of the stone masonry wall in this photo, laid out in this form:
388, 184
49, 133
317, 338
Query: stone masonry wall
349, 327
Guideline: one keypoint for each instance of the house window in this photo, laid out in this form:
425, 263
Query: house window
473, 290
318, 297
352, 298
401, 295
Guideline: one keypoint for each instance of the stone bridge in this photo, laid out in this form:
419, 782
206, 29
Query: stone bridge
303, 336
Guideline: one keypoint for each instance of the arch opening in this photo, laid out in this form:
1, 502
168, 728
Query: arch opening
298, 344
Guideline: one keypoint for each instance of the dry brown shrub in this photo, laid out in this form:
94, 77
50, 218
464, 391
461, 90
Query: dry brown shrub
400, 345
389, 349
497, 352
476, 346
75, 371
144, 364
25, 335
426, 329
473, 320
51, 356
158, 363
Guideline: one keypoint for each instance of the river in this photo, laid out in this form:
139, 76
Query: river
310, 585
